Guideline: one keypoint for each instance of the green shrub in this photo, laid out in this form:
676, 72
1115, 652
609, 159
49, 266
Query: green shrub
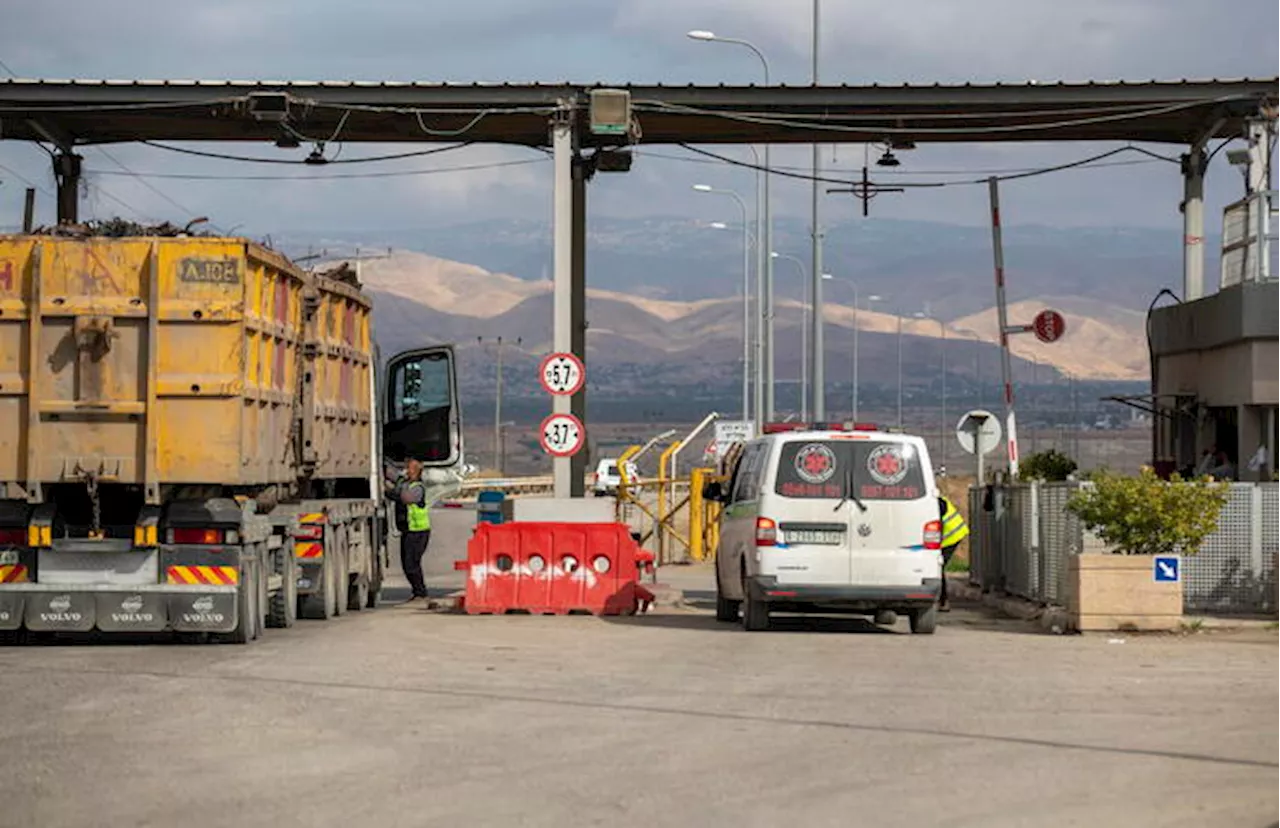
1145, 515
1050, 466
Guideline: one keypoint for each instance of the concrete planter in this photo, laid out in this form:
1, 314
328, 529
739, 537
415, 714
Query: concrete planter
1275, 579
1119, 592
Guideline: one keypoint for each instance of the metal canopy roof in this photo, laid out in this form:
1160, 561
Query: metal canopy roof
104, 111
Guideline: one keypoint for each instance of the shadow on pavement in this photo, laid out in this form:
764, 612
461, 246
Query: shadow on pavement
777, 623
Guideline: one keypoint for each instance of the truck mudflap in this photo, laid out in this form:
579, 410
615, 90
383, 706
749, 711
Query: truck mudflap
81, 608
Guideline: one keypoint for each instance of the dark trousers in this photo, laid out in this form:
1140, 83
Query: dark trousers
947, 552
413, 545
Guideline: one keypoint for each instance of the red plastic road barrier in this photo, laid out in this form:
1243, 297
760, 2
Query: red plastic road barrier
555, 568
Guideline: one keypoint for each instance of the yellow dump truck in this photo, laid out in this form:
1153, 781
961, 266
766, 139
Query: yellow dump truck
194, 436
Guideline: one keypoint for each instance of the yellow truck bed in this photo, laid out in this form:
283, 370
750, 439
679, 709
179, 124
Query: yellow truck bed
157, 361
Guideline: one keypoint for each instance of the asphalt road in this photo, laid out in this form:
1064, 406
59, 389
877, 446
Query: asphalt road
401, 717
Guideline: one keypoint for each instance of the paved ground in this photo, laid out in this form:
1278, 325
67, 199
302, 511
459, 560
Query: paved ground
401, 717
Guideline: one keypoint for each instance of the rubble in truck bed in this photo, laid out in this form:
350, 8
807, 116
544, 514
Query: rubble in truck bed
342, 272
117, 228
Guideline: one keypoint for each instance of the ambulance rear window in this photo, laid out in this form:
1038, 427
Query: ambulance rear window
876, 470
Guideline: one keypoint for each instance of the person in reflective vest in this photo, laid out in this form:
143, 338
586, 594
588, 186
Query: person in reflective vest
954, 530
415, 530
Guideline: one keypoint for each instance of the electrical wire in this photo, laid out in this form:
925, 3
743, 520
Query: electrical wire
102, 191
25, 180
6, 68
186, 212
825, 126
336, 131
1083, 162
69, 109
449, 133
258, 160
886, 172
385, 174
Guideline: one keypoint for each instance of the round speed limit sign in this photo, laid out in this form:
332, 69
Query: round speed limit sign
562, 435
562, 374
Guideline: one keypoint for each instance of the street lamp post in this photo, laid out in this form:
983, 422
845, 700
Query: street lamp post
853, 391
942, 433
746, 294
804, 332
818, 337
765, 370
498, 454
898, 313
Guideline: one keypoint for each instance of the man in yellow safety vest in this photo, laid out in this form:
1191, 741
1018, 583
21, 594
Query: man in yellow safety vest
414, 523
954, 530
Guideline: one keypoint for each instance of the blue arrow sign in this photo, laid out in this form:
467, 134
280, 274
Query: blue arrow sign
1166, 569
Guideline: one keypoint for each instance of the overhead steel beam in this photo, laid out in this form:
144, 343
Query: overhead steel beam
113, 111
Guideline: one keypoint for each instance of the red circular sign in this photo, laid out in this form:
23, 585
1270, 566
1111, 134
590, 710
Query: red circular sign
562, 435
562, 374
1049, 326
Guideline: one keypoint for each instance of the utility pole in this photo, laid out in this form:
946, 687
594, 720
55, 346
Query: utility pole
498, 453
29, 210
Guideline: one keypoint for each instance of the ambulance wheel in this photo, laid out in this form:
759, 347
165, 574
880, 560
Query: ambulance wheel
924, 621
755, 613
726, 609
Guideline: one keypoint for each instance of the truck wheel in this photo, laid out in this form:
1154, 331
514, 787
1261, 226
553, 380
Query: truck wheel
283, 605
341, 580
246, 609
319, 605
925, 621
726, 610
755, 613
358, 594
375, 583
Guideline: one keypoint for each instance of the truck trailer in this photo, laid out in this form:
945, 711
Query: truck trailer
195, 433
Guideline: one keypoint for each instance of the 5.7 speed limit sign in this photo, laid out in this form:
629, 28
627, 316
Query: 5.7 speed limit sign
562, 374
562, 435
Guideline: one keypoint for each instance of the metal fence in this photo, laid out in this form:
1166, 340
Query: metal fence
1022, 535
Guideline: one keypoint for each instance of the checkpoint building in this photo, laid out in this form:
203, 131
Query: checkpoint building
1214, 355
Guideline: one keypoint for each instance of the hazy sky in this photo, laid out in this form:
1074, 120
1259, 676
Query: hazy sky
640, 41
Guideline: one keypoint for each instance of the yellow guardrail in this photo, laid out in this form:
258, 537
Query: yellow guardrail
675, 501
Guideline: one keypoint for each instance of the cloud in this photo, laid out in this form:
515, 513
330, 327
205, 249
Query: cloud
641, 41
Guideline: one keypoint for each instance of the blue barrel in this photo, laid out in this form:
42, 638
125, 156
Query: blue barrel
489, 506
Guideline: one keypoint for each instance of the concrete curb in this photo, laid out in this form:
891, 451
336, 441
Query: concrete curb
1050, 619
1056, 620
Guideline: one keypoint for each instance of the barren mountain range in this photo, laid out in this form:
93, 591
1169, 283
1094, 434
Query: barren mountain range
423, 296
665, 308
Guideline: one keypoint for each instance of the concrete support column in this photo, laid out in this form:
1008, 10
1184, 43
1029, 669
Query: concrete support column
1194, 164
1259, 181
1255, 429
66, 172
578, 314
562, 272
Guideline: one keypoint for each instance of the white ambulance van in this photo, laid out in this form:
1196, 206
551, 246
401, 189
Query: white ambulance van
829, 519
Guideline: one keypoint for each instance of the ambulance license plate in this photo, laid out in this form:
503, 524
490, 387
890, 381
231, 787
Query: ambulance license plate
815, 536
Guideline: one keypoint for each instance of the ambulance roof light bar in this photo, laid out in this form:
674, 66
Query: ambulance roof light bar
783, 427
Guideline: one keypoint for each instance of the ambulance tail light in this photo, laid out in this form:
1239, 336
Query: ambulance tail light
933, 535
766, 532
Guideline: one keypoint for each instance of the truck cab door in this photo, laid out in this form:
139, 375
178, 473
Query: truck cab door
421, 413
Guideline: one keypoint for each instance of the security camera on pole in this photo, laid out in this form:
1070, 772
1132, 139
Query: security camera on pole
1048, 327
